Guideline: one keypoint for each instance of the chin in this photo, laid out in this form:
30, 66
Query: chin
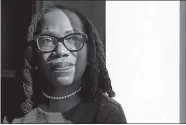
63, 81
59, 79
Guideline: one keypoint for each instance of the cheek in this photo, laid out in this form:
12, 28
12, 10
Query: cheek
43, 60
81, 62
82, 56
44, 57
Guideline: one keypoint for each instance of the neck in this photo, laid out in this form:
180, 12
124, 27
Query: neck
63, 104
63, 90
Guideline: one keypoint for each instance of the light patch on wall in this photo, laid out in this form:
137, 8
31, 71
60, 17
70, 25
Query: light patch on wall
142, 52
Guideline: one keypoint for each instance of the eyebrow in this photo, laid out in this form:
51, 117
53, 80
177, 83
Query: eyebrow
76, 31
67, 32
72, 31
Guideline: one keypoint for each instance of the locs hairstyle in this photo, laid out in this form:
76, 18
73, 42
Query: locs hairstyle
95, 76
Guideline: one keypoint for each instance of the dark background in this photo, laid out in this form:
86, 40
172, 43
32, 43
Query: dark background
15, 19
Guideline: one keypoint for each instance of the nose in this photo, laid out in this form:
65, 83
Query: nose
62, 50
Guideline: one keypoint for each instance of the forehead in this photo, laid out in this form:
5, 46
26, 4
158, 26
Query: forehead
61, 21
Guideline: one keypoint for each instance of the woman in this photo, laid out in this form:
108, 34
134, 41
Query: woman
64, 78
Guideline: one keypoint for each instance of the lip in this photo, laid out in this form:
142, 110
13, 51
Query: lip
63, 70
62, 67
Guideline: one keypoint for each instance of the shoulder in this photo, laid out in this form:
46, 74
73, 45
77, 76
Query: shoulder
15, 120
110, 111
27, 118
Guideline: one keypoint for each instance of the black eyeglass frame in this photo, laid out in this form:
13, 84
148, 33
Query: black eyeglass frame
61, 39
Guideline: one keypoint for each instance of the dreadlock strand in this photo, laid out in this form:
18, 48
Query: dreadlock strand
105, 80
27, 81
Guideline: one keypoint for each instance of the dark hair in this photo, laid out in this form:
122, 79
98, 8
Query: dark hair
96, 74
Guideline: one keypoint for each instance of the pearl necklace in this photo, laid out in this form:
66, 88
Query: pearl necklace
62, 97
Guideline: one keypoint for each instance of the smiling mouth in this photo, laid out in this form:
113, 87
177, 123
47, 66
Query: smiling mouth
61, 67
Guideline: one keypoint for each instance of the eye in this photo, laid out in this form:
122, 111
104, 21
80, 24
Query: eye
75, 38
71, 38
46, 40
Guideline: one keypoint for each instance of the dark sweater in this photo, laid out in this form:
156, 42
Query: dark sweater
102, 110
110, 112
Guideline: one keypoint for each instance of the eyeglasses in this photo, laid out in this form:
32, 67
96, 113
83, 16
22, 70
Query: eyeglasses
73, 42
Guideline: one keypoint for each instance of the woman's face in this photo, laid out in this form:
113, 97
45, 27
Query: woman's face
61, 67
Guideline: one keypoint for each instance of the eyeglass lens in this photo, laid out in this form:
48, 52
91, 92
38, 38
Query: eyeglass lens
71, 42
